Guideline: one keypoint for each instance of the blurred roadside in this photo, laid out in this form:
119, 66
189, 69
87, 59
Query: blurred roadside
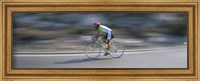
71, 32
77, 44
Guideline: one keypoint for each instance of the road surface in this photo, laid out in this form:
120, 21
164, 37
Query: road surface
172, 57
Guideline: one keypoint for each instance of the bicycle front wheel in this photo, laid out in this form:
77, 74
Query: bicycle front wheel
92, 50
117, 50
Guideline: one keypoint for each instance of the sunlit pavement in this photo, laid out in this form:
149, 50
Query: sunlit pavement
170, 57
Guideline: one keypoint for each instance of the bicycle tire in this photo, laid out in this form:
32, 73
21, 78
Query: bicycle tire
117, 50
92, 50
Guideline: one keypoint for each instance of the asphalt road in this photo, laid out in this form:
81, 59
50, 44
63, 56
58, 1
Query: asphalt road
172, 57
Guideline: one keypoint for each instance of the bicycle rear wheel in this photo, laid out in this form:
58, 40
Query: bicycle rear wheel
117, 50
92, 50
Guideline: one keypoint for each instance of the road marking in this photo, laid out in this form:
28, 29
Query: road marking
60, 55
46, 55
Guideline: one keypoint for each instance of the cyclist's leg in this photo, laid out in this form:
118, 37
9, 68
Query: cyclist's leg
109, 38
104, 39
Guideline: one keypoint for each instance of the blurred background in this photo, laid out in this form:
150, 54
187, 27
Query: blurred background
71, 31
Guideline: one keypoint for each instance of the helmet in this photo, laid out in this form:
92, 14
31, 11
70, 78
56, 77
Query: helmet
96, 23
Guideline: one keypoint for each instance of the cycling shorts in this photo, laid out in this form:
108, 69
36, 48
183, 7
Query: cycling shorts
109, 36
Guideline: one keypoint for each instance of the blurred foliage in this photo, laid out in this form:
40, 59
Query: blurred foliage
44, 26
78, 30
177, 29
36, 34
32, 34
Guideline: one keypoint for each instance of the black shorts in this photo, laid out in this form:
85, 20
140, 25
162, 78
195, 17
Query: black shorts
112, 36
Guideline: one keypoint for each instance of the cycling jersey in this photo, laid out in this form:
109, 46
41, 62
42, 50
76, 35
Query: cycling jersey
108, 31
104, 29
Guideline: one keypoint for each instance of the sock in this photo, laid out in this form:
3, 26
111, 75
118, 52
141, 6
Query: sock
106, 45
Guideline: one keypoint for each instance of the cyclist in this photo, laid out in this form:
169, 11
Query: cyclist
107, 38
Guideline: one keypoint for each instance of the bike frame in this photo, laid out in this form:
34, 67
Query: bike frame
112, 44
97, 45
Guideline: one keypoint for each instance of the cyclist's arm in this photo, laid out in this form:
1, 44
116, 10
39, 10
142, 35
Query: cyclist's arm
98, 34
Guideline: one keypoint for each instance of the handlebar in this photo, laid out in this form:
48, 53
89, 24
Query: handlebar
94, 39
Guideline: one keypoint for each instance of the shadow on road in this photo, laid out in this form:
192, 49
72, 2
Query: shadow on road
81, 60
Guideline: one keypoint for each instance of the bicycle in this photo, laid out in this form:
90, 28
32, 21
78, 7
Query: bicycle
93, 49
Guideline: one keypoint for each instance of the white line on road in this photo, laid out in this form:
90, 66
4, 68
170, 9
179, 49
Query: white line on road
127, 52
60, 55
46, 55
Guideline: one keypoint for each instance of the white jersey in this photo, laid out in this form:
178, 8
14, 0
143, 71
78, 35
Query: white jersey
104, 29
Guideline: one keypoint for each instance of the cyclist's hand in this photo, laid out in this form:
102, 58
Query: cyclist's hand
94, 39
